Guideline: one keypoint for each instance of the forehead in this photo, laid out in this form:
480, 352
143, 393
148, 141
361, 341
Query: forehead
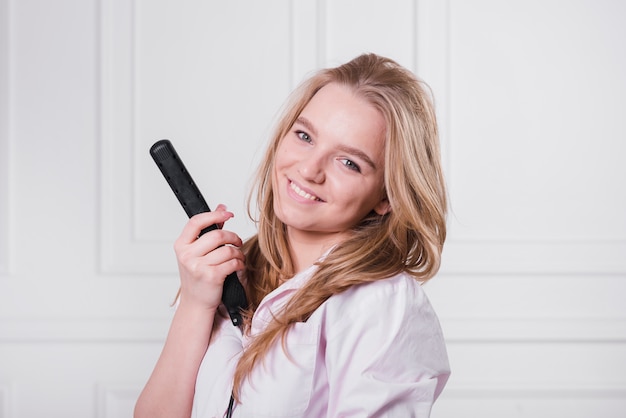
337, 113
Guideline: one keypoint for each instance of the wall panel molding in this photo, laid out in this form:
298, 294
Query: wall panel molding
483, 392
5, 98
471, 252
116, 400
315, 46
7, 400
513, 257
124, 248
457, 331
104, 330
536, 330
432, 60
539, 402
119, 251
4, 401
308, 40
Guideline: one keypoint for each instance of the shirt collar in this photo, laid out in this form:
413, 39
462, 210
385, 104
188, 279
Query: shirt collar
274, 301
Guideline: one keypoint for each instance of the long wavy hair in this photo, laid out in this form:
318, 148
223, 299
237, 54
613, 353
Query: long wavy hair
409, 238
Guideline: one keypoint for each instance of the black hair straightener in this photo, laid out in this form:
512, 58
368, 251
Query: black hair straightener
183, 186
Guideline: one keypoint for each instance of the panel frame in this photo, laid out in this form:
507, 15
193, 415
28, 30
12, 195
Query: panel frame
110, 395
456, 399
5, 134
456, 330
5, 400
120, 250
475, 255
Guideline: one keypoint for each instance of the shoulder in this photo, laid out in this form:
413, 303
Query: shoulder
392, 304
385, 331
397, 287
399, 292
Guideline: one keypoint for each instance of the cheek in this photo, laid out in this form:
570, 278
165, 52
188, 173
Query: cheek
282, 158
354, 197
364, 199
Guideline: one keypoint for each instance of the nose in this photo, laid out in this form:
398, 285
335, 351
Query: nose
312, 169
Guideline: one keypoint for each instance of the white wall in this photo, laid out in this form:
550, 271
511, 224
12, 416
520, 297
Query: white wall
531, 98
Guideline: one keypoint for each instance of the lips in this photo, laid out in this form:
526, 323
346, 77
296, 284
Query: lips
303, 193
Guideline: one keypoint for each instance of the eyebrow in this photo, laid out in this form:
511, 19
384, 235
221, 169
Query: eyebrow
307, 124
345, 148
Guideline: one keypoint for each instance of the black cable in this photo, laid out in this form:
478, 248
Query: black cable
229, 412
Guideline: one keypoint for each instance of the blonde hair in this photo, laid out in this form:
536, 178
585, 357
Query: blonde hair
409, 238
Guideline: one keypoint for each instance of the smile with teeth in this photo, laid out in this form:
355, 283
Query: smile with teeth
302, 193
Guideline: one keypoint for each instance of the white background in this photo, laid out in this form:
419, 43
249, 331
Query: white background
531, 98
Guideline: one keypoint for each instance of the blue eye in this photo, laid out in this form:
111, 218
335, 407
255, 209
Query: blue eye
351, 165
303, 136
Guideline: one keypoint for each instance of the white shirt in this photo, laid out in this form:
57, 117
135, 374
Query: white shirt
376, 350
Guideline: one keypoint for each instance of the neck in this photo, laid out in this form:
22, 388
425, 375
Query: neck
307, 248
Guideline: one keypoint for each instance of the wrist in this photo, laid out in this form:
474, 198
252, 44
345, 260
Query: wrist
194, 319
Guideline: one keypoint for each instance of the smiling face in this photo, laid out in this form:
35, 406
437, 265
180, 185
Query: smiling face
328, 169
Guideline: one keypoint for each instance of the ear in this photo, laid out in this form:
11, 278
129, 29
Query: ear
383, 207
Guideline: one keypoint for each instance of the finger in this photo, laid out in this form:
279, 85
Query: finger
221, 207
211, 241
200, 221
212, 267
228, 267
223, 255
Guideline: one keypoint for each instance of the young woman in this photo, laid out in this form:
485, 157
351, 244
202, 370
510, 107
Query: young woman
352, 207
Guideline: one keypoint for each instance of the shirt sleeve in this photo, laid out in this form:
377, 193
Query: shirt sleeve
385, 352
